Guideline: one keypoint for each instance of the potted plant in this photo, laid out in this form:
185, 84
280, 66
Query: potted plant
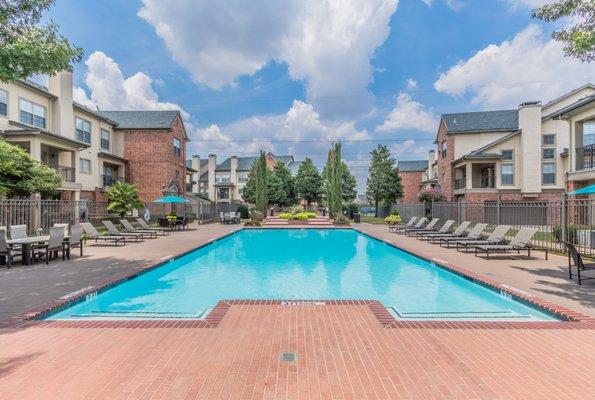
393, 219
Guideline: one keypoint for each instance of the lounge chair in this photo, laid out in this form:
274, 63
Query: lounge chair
128, 228
63, 226
143, 224
93, 234
459, 232
521, 241
6, 250
419, 224
75, 240
53, 246
431, 226
423, 235
112, 230
474, 234
574, 255
498, 236
18, 231
393, 228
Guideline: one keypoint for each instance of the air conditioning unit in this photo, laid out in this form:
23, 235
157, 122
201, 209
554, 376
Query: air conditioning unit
586, 238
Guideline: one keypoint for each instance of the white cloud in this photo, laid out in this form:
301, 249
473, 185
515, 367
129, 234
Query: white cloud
454, 4
411, 84
111, 91
410, 149
521, 4
409, 114
530, 66
326, 44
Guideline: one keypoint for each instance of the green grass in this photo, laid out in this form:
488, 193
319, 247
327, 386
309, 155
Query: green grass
373, 220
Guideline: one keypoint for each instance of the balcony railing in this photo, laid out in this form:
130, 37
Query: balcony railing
68, 174
109, 180
460, 183
585, 157
189, 187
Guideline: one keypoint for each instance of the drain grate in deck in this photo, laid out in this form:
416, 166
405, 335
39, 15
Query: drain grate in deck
288, 357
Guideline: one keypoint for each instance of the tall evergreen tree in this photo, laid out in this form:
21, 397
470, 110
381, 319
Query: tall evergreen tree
333, 176
285, 185
261, 198
308, 182
249, 191
384, 182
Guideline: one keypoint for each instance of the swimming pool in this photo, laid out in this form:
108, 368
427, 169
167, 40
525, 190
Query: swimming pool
304, 264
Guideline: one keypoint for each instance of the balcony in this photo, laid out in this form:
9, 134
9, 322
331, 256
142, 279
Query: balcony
189, 187
109, 180
460, 183
585, 157
68, 174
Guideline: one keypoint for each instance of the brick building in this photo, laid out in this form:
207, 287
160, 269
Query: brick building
412, 174
155, 148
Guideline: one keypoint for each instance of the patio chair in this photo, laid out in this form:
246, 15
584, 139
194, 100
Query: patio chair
222, 217
131, 229
574, 255
521, 241
393, 228
182, 222
7, 251
420, 223
92, 233
18, 231
431, 226
423, 235
64, 226
143, 224
75, 240
459, 232
474, 234
498, 236
52, 247
112, 230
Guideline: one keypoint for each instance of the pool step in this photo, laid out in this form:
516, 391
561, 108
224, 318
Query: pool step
462, 315
141, 314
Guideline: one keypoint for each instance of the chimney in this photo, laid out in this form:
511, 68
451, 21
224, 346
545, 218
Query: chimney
431, 160
62, 114
530, 126
196, 162
233, 175
211, 173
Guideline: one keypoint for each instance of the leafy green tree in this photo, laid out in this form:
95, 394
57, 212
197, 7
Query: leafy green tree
123, 198
308, 182
27, 48
22, 176
333, 181
578, 39
282, 186
261, 196
249, 191
348, 183
384, 182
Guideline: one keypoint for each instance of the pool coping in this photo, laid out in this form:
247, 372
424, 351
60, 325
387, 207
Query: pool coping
32, 317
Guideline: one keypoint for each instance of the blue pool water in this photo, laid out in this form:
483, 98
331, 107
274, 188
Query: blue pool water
300, 264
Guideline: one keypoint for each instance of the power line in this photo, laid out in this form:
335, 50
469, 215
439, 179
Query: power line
348, 141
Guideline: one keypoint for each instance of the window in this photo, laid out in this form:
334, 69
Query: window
105, 139
3, 103
223, 193
549, 154
83, 130
507, 174
588, 130
443, 154
548, 172
222, 178
177, 147
85, 166
549, 140
242, 177
32, 114
508, 155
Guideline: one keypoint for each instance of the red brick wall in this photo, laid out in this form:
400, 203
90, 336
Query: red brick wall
411, 186
152, 163
444, 166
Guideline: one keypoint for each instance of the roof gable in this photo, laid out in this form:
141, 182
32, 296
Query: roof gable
412, 165
155, 119
481, 121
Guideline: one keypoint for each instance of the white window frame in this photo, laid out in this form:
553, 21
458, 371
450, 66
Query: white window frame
82, 162
552, 149
543, 174
177, 147
6, 103
33, 113
511, 155
101, 139
502, 183
76, 129
544, 144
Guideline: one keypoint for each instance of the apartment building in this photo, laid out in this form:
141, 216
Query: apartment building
79, 143
531, 153
224, 182
412, 174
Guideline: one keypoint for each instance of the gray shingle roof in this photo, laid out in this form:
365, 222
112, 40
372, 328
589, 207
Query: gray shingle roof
412, 165
157, 119
482, 121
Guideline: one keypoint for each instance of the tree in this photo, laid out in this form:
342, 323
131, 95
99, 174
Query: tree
578, 39
123, 198
384, 182
308, 182
249, 191
25, 47
284, 186
348, 183
333, 181
431, 195
261, 196
22, 176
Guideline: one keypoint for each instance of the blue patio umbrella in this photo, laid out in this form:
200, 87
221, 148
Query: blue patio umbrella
171, 199
586, 190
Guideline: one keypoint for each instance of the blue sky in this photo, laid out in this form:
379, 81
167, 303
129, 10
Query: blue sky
292, 76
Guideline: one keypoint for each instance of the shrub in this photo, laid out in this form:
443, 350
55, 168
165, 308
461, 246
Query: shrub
256, 216
244, 213
394, 212
431, 194
341, 220
310, 214
300, 216
392, 220
285, 215
572, 233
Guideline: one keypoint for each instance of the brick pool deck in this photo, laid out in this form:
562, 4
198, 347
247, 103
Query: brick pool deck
342, 350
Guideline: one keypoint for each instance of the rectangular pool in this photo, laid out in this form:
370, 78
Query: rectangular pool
304, 264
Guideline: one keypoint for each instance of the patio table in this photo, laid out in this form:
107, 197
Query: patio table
26, 244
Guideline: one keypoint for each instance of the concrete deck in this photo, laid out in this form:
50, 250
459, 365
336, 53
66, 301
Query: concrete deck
343, 352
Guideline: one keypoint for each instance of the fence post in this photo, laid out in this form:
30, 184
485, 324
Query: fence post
498, 210
36, 211
564, 221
